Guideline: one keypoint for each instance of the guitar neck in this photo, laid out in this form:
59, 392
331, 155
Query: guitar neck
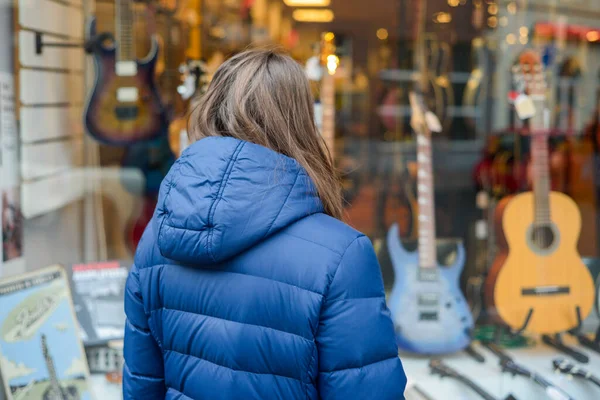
124, 30
427, 248
552, 391
540, 165
476, 388
541, 179
595, 380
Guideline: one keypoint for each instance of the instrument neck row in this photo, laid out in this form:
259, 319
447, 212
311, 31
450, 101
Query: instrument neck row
124, 30
425, 191
540, 169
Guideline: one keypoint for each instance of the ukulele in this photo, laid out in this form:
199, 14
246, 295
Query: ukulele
438, 367
542, 284
430, 313
124, 106
566, 367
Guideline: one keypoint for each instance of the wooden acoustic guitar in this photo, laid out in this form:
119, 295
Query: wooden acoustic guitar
540, 282
124, 106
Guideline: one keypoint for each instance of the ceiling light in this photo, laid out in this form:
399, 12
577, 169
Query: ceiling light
442, 17
307, 3
523, 31
382, 34
313, 15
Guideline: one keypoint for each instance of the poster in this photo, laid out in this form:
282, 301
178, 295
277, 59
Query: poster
10, 197
98, 295
41, 357
12, 224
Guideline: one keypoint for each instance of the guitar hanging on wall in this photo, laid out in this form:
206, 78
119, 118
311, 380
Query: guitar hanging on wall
430, 314
542, 285
124, 106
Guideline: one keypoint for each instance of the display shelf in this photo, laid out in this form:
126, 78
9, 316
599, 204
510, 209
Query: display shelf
490, 376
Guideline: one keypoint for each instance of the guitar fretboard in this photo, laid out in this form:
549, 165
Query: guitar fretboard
427, 248
124, 30
540, 166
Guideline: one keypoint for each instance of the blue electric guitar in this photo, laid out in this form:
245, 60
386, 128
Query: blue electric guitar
430, 313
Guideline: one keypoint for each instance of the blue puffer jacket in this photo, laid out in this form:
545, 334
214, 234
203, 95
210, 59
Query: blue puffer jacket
243, 289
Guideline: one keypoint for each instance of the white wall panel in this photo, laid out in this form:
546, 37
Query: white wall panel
43, 87
45, 195
46, 159
52, 17
48, 123
51, 57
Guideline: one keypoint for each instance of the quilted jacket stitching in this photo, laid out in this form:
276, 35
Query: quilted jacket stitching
284, 203
233, 369
237, 322
213, 207
359, 367
164, 203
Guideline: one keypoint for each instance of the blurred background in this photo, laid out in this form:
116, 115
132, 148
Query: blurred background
79, 183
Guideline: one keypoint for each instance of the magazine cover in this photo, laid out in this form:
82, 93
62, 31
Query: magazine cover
98, 290
41, 356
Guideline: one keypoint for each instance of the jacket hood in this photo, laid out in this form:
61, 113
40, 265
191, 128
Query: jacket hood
224, 195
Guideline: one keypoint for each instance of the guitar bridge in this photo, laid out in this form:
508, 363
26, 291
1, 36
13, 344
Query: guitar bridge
545, 290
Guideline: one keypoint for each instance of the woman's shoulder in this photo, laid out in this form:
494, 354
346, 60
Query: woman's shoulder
325, 231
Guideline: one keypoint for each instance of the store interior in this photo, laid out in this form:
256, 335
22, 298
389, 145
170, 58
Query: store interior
466, 133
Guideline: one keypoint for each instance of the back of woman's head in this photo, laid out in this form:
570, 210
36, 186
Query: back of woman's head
263, 97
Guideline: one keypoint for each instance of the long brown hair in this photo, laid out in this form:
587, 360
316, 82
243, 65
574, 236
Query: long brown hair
263, 96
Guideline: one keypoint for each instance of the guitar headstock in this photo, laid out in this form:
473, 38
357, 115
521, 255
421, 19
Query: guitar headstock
566, 367
423, 121
194, 78
529, 75
438, 367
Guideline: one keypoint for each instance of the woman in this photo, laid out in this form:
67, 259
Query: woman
246, 284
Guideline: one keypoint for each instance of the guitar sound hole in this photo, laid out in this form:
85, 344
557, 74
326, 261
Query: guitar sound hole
542, 237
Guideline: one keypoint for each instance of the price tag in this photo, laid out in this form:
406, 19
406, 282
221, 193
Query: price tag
481, 229
524, 106
482, 200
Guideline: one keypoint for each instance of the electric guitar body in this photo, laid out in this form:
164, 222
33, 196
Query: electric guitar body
546, 274
423, 325
430, 313
124, 106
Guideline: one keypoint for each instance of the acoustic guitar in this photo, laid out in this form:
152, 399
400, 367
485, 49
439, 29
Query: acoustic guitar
124, 106
430, 313
542, 284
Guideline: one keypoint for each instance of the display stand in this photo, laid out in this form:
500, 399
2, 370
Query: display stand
40, 44
591, 344
474, 354
557, 342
